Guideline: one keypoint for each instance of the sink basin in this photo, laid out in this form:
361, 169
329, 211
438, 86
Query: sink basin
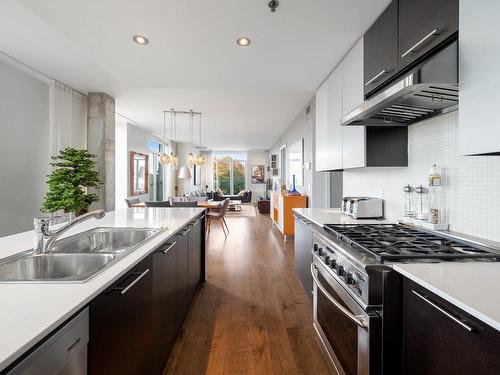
76, 258
54, 267
103, 240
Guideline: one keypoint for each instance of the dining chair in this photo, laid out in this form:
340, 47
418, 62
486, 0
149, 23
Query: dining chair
219, 215
132, 201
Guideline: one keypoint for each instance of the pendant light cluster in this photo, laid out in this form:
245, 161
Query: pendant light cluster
173, 159
192, 159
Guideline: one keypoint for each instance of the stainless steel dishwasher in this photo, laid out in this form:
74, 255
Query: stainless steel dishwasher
63, 353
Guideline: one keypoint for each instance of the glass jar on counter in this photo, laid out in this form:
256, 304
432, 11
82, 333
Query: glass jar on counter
436, 199
421, 203
408, 201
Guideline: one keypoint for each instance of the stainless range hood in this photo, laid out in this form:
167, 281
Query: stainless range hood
429, 90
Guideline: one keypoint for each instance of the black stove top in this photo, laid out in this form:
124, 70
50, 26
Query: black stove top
394, 242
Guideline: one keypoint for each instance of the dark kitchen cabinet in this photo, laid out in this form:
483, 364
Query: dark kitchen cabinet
440, 338
164, 302
195, 238
381, 49
303, 244
423, 25
181, 277
121, 338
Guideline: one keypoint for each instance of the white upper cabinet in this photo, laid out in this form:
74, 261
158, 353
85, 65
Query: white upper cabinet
334, 115
479, 123
353, 137
321, 128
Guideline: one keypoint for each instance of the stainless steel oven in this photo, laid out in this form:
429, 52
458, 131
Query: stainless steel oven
349, 334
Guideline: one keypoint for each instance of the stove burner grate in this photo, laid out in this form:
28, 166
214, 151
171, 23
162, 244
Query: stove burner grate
398, 242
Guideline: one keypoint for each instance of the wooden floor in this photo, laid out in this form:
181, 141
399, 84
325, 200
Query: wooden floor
252, 315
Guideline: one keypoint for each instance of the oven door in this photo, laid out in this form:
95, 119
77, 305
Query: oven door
350, 336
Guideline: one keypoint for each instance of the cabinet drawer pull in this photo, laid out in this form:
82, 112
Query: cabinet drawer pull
185, 232
411, 50
169, 247
140, 275
456, 320
376, 77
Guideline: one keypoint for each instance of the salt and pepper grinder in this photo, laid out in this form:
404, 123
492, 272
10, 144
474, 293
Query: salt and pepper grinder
436, 200
421, 212
409, 212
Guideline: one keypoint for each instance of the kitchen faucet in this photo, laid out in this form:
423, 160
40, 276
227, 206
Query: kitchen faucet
45, 237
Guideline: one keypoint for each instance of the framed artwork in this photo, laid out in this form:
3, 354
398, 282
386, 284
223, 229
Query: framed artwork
258, 174
197, 175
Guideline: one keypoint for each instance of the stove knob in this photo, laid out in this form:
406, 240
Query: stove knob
333, 263
349, 279
327, 260
340, 270
315, 248
320, 251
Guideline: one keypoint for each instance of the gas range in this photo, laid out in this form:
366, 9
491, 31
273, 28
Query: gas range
359, 256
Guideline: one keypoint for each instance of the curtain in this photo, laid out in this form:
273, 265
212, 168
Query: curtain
68, 118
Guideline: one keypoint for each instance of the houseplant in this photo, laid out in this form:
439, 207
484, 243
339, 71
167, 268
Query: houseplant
74, 172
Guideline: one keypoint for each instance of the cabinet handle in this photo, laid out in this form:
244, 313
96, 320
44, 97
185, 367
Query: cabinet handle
185, 232
376, 77
456, 320
140, 275
169, 247
432, 33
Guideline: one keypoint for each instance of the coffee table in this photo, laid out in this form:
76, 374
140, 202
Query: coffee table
234, 205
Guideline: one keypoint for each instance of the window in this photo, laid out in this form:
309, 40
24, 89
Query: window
229, 173
156, 171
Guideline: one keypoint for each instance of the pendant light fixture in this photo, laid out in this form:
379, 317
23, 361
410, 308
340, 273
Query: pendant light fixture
200, 159
174, 159
164, 158
190, 157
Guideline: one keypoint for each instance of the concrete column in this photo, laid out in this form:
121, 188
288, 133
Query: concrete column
101, 142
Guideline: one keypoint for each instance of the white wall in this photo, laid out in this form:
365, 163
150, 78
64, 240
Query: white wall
472, 183
138, 141
256, 157
315, 184
24, 148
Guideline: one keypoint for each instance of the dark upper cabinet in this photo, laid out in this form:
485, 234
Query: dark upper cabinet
423, 25
121, 331
439, 338
381, 49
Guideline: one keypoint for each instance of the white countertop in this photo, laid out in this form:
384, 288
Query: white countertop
30, 311
474, 287
322, 216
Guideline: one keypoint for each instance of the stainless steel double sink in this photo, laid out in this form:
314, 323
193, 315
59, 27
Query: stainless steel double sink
77, 258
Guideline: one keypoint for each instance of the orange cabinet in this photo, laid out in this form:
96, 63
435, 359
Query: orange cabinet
281, 211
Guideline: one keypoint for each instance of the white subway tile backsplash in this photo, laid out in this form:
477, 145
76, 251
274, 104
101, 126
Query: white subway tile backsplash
471, 183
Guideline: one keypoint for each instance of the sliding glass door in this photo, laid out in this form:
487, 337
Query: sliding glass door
229, 174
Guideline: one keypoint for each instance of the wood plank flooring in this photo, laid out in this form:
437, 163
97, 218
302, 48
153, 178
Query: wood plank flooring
252, 315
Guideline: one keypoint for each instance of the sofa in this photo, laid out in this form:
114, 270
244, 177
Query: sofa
244, 196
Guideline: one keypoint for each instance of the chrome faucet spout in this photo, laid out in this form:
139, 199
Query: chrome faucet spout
45, 237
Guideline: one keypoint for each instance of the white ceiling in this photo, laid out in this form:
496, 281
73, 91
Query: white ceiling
249, 95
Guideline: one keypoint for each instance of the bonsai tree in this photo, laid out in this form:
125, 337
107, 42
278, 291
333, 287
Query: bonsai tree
74, 172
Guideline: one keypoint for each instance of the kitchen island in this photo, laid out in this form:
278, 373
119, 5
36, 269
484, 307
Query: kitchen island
31, 311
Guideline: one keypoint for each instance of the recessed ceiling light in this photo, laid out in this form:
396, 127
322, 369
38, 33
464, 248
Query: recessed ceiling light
140, 39
243, 42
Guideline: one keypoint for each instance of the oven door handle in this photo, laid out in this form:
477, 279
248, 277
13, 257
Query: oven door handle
356, 319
